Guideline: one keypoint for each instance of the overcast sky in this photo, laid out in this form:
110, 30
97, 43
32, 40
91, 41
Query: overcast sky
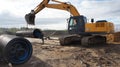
12, 12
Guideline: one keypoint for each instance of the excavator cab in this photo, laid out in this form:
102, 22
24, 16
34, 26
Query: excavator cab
76, 25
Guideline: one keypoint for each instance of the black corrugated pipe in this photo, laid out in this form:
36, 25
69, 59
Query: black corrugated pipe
34, 33
14, 49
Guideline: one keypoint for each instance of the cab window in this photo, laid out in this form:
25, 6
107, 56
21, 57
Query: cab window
73, 22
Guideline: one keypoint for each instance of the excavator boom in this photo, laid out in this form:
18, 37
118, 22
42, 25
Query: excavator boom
64, 6
41, 6
30, 17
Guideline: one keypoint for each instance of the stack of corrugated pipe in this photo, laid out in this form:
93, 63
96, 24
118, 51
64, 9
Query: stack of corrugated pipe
16, 49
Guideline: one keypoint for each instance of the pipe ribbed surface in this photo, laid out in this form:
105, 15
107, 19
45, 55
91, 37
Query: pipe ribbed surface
34, 33
14, 49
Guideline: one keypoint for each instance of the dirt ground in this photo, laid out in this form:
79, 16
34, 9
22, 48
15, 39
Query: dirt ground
51, 54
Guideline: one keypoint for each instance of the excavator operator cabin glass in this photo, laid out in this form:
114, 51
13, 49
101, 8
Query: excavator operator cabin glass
77, 25
73, 22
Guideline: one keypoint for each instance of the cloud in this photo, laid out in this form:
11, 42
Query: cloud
97, 8
50, 20
9, 20
89, 8
51, 23
13, 11
59, 26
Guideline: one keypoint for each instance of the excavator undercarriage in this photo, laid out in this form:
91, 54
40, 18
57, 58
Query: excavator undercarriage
83, 40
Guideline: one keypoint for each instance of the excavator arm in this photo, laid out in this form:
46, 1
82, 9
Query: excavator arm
30, 17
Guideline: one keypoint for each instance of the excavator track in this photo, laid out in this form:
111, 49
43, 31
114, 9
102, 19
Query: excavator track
83, 40
93, 40
70, 39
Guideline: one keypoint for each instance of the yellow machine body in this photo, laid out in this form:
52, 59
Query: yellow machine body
99, 27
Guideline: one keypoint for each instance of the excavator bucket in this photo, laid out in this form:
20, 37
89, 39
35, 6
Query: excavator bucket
30, 19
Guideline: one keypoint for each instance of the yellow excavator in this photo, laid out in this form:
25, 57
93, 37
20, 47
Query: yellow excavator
86, 33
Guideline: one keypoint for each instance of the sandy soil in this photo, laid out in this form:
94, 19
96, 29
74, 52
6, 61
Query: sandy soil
51, 54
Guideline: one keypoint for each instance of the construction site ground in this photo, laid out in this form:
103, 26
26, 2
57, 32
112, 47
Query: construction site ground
51, 54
